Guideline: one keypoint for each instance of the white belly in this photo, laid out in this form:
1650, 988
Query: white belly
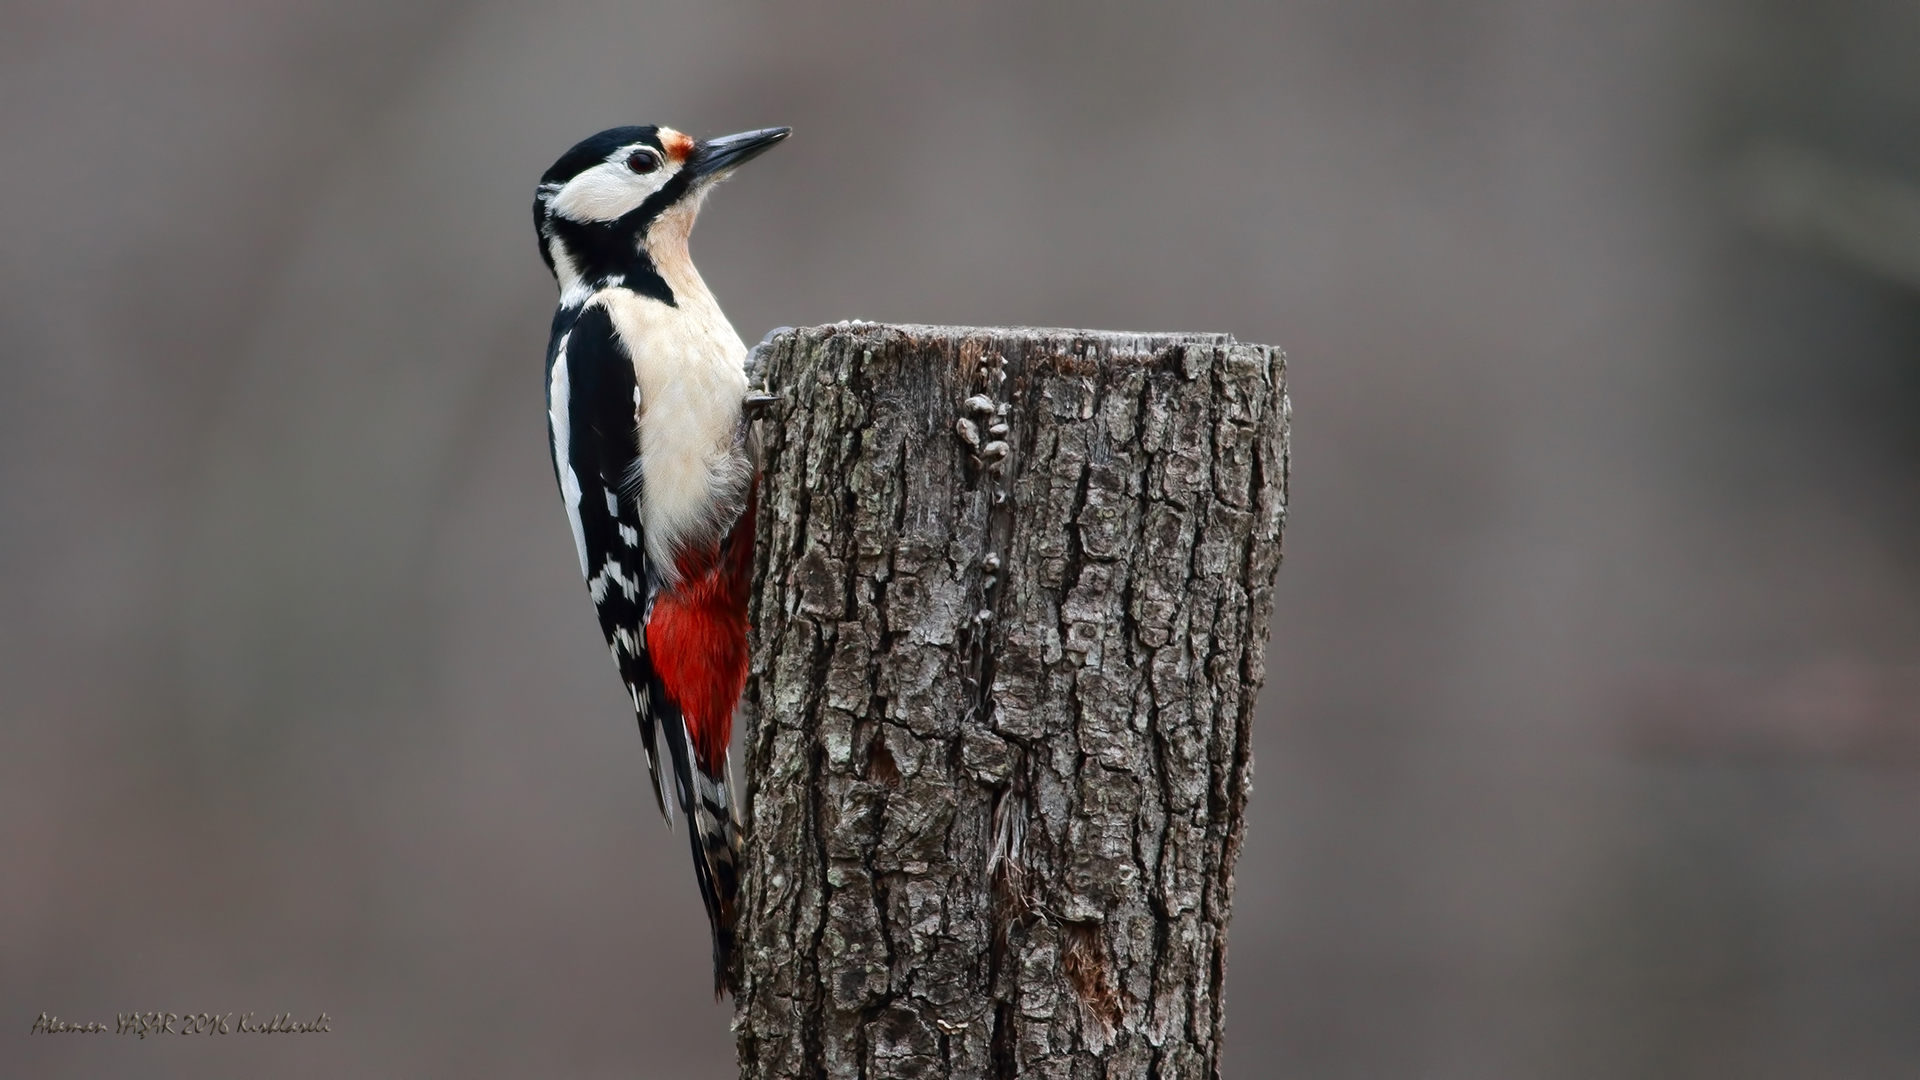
690, 373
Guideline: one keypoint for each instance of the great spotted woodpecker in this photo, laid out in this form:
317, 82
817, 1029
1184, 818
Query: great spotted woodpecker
648, 420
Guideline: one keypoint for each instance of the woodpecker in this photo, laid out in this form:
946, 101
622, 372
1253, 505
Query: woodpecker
649, 423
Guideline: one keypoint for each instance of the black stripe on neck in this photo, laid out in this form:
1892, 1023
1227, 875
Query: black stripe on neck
604, 250
601, 250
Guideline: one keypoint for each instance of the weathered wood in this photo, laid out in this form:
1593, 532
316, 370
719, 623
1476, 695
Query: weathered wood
1010, 606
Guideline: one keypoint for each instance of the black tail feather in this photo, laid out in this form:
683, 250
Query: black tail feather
708, 805
714, 865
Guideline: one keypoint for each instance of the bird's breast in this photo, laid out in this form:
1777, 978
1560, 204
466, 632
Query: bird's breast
690, 377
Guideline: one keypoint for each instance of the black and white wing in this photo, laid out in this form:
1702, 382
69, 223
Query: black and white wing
592, 409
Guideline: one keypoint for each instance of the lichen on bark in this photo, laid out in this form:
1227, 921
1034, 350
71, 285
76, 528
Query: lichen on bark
1011, 604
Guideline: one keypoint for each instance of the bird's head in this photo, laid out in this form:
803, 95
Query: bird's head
621, 203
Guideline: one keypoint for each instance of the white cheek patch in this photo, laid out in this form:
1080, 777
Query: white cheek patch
608, 191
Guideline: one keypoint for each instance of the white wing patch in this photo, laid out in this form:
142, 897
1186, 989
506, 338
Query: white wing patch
625, 641
558, 393
609, 576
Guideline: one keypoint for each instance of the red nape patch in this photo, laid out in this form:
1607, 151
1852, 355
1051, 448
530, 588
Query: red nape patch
677, 145
697, 640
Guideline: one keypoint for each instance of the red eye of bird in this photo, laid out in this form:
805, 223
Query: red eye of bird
643, 161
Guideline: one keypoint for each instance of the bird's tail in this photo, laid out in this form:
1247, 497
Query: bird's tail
716, 857
707, 803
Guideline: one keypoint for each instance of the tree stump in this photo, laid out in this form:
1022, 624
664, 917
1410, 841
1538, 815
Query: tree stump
1011, 604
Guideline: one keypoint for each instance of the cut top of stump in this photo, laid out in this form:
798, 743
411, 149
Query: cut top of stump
972, 342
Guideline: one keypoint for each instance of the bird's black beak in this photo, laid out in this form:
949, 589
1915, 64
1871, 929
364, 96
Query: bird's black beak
713, 158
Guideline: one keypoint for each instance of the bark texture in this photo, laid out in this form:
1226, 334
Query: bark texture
1011, 605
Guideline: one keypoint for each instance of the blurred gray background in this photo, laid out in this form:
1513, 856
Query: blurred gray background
1589, 747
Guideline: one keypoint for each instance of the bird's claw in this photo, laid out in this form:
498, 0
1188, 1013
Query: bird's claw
753, 405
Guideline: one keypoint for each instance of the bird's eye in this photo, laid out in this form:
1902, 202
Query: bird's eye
643, 161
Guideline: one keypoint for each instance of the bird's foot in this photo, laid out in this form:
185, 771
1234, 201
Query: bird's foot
755, 404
